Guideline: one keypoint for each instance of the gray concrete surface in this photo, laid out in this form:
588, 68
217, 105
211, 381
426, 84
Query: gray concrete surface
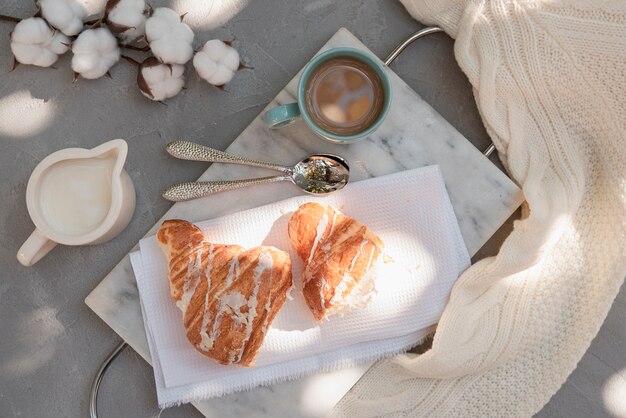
51, 343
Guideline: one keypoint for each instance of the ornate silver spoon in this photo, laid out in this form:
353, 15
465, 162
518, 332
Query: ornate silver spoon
316, 174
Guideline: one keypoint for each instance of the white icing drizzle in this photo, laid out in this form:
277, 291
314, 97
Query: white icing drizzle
192, 280
356, 256
369, 261
205, 342
332, 223
266, 262
230, 304
340, 289
324, 287
319, 232
360, 295
233, 272
326, 247
347, 278
289, 292
322, 225
365, 286
268, 304
361, 291
207, 270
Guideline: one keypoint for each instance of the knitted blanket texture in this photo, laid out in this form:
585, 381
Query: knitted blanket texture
549, 78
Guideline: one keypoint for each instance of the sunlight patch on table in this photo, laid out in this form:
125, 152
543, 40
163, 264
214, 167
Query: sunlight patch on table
209, 14
24, 115
38, 333
323, 391
614, 394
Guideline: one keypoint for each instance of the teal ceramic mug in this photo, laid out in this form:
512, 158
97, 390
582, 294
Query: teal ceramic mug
286, 114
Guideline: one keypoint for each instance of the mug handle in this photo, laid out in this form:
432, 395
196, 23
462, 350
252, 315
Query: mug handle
34, 248
282, 115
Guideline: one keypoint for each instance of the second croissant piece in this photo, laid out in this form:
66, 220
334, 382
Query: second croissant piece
228, 296
339, 253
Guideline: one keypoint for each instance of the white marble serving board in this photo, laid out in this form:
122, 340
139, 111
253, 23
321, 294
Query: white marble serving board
413, 135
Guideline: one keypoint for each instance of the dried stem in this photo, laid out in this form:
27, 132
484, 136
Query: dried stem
10, 19
136, 48
92, 22
131, 60
15, 64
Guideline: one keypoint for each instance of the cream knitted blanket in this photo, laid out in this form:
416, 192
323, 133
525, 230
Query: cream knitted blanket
549, 78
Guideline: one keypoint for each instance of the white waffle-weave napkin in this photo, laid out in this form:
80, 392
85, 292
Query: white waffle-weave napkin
412, 214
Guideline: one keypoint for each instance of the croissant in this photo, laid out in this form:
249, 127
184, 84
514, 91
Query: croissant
229, 296
338, 252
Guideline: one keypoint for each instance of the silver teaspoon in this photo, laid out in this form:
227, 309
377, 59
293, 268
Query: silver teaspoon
316, 174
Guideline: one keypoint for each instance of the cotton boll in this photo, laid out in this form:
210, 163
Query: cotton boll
126, 19
170, 39
216, 62
95, 51
65, 15
158, 81
34, 42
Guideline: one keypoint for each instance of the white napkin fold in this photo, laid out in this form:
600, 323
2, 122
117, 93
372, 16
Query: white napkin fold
412, 214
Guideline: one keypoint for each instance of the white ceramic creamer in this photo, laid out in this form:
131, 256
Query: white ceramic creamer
77, 196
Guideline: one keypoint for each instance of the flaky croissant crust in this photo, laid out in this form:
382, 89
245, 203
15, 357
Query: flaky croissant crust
229, 296
338, 251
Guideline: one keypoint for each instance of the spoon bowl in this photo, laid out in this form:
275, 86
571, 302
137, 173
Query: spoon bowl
321, 174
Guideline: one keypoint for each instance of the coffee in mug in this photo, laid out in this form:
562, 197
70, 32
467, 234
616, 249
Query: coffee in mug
344, 95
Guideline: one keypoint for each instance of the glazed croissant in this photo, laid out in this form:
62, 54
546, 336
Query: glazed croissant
228, 296
338, 252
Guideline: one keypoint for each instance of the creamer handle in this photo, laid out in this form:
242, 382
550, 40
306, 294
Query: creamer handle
35, 247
